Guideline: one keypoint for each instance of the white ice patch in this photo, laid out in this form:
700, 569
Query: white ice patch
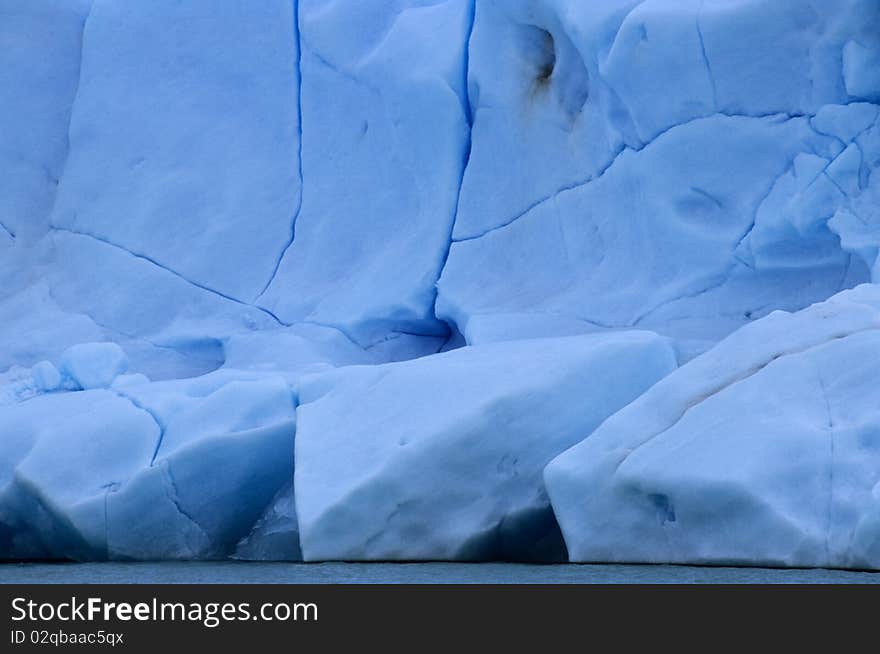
441, 457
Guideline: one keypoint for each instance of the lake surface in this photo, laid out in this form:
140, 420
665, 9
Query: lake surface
412, 573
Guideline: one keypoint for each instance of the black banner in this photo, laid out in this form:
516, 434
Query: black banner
144, 617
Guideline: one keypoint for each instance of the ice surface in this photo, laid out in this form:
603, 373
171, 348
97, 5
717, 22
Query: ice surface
762, 450
639, 149
384, 100
479, 228
441, 457
145, 470
40, 44
180, 143
63, 453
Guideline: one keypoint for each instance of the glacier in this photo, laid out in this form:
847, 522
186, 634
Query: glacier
440, 280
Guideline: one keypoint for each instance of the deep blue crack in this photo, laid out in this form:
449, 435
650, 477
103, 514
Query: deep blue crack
468, 112
297, 34
148, 259
159, 423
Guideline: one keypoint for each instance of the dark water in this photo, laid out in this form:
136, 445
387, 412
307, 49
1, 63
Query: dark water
413, 573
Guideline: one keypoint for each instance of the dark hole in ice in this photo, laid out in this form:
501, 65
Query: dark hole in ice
529, 536
547, 61
539, 54
665, 510
454, 338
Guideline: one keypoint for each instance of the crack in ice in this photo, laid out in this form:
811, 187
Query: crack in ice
623, 149
82, 45
467, 110
148, 259
299, 157
149, 412
174, 497
830, 430
705, 56
733, 380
